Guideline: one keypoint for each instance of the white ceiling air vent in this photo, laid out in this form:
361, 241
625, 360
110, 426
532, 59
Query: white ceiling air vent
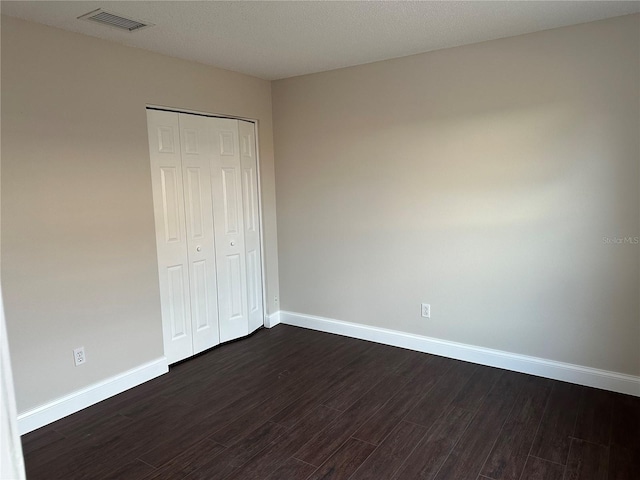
114, 20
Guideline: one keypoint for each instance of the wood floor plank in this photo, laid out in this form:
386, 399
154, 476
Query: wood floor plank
292, 469
133, 470
196, 426
509, 454
414, 362
285, 446
93, 460
624, 464
290, 414
322, 446
625, 432
593, 422
587, 461
188, 461
233, 458
204, 395
76, 456
345, 461
93, 424
468, 456
151, 407
438, 399
425, 375
554, 434
343, 375
385, 460
284, 395
431, 452
472, 394
359, 383
539, 469
39, 439
367, 373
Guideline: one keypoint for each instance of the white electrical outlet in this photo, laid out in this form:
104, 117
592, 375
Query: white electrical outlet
426, 310
78, 356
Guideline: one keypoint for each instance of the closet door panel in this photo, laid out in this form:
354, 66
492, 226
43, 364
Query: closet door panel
226, 179
197, 157
171, 237
251, 206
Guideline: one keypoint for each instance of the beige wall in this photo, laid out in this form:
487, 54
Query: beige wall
480, 179
78, 257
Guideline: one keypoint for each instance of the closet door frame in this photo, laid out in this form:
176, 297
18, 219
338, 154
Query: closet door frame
258, 180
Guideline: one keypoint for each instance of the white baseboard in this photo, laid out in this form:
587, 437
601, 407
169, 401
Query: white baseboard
592, 377
61, 407
272, 320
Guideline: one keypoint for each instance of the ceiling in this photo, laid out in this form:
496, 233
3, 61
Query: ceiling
274, 39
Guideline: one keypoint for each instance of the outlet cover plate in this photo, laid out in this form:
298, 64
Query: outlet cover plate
78, 356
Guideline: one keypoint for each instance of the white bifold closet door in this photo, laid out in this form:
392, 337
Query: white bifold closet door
207, 229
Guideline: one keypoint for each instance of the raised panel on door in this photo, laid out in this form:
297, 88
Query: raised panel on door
177, 294
197, 156
251, 206
226, 178
171, 215
171, 237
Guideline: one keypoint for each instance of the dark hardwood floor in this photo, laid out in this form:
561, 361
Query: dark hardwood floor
289, 403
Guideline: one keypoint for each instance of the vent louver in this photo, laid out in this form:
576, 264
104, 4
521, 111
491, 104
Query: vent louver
113, 20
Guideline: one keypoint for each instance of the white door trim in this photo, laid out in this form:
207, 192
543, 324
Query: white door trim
11, 459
